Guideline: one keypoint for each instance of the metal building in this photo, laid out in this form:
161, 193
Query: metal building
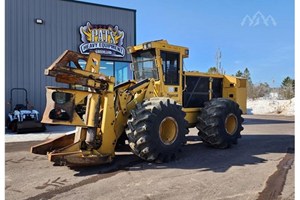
38, 31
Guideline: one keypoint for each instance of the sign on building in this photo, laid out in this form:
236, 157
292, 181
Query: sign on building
104, 39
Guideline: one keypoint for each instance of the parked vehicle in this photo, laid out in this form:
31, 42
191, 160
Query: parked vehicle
21, 118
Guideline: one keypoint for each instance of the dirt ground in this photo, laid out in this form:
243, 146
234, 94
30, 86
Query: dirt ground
260, 166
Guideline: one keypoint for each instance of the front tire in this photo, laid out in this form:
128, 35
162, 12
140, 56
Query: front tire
220, 123
157, 129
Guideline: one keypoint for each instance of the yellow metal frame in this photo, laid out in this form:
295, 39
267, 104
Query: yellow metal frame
100, 115
99, 106
108, 108
234, 88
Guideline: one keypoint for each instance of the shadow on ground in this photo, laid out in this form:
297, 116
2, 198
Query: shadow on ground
267, 121
249, 151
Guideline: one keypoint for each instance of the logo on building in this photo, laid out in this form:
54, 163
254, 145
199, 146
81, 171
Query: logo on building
104, 39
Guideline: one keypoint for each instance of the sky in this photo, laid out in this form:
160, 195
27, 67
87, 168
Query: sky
266, 48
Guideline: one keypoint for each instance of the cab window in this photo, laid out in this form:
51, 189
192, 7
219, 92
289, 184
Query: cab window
170, 64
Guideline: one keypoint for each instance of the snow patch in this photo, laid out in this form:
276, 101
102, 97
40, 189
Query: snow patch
271, 106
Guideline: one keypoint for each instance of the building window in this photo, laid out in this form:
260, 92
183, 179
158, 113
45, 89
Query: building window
120, 70
107, 68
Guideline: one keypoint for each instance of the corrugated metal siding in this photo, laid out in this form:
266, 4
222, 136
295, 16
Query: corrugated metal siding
30, 47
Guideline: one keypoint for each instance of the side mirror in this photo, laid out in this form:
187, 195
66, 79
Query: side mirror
131, 66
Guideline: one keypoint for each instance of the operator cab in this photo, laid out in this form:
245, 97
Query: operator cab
149, 58
162, 62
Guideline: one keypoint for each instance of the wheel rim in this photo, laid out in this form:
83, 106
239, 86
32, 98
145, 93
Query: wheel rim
168, 130
231, 124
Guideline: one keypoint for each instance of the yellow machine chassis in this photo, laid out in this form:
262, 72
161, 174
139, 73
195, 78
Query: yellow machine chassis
107, 108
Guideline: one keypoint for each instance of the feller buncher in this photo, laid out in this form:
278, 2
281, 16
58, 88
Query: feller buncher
154, 110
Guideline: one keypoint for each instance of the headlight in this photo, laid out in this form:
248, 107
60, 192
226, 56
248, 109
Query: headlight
61, 97
59, 114
187, 52
147, 46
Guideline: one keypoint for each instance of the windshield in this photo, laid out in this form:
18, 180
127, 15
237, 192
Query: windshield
144, 65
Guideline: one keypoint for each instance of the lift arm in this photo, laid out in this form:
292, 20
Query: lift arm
91, 110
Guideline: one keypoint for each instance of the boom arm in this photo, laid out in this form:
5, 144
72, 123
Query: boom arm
100, 112
92, 111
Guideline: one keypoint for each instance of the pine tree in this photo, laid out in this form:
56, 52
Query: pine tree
239, 74
247, 75
213, 70
288, 88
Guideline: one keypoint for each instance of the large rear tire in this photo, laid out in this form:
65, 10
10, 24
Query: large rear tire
156, 130
220, 123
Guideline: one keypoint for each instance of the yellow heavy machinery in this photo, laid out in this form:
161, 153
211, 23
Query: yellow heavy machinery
154, 110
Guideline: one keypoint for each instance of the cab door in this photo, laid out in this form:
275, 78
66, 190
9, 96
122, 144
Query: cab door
171, 71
